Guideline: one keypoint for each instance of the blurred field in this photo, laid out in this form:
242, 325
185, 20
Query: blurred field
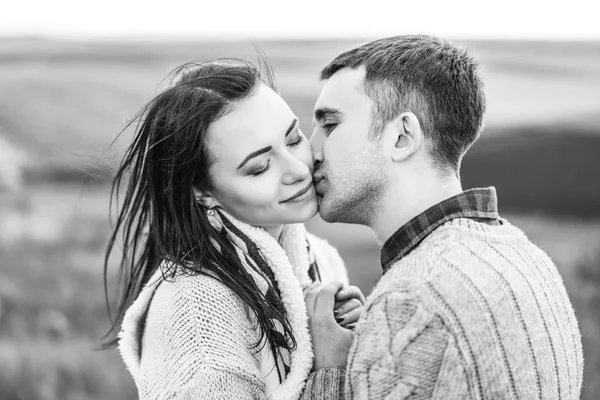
61, 104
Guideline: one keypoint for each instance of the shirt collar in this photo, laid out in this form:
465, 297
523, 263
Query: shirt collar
480, 204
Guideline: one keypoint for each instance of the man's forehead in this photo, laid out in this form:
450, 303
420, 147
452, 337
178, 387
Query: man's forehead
340, 87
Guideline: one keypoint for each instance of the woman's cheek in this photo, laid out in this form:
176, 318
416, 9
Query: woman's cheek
263, 190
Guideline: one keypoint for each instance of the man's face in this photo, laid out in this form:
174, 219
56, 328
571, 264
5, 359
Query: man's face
350, 171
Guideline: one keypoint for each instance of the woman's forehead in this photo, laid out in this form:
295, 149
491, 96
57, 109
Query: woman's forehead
258, 121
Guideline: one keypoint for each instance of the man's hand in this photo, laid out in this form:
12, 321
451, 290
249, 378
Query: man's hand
349, 302
331, 342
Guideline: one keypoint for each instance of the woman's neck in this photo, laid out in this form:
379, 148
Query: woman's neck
274, 231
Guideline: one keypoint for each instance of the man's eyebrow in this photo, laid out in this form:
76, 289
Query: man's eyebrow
321, 113
254, 154
292, 126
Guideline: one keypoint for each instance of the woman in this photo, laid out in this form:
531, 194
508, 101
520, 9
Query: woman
215, 255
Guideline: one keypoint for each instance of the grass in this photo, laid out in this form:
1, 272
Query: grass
585, 294
68, 369
550, 170
52, 311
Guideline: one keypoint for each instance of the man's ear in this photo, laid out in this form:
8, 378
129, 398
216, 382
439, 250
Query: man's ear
408, 136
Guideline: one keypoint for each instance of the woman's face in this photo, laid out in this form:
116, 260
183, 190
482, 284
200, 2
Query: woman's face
262, 167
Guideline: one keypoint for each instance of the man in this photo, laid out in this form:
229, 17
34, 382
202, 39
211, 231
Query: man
467, 307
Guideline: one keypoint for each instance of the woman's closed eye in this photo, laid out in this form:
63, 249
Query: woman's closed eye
262, 170
297, 138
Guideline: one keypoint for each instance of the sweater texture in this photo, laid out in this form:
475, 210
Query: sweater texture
476, 311
191, 337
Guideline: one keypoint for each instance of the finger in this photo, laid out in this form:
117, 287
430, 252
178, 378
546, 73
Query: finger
350, 292
350, 317
310, 298
311, 286
326, 299
346, 307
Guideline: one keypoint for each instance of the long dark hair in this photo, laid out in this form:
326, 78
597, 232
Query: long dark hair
160, 219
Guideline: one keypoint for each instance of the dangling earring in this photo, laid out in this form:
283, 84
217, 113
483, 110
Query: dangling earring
214, 218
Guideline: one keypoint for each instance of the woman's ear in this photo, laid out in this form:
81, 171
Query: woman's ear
408, 136
204, 198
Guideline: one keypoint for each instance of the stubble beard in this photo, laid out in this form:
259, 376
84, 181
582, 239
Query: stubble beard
354, 193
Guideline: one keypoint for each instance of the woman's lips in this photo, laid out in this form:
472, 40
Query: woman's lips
299, 193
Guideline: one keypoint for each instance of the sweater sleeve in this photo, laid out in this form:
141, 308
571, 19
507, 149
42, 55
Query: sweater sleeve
404, 351
326, 383
198, 344
210, 383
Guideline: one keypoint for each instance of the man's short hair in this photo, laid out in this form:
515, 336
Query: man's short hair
428, 76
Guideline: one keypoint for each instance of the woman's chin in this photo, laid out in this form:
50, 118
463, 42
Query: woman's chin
314, 208
304, 213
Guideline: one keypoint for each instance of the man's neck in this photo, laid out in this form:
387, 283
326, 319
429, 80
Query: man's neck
405, 200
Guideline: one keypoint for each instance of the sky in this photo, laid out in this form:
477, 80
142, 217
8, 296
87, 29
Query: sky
179, 19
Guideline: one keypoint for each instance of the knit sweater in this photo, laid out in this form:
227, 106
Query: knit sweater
192, 337
476, 311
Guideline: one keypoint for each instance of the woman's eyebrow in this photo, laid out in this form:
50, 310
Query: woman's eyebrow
292, 126
254, 154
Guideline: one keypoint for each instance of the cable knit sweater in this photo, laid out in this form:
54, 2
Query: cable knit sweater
476, 311
191, 338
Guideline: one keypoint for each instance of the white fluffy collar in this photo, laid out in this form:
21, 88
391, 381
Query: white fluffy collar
289, 262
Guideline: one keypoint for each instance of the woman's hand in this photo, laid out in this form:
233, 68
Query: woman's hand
349, 302
331, 342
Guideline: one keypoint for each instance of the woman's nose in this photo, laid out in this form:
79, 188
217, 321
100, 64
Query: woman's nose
296, 170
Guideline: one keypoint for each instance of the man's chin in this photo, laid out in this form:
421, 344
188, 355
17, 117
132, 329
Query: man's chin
319, 200
325, 210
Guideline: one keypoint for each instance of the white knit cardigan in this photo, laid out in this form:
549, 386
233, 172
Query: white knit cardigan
191, 338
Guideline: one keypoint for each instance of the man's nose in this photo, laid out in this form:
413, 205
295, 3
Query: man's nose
318, 160
316, 144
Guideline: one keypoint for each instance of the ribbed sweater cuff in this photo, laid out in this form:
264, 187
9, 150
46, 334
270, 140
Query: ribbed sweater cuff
326, 383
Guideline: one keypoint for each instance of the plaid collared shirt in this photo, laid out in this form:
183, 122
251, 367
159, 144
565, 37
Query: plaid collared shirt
478, 204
